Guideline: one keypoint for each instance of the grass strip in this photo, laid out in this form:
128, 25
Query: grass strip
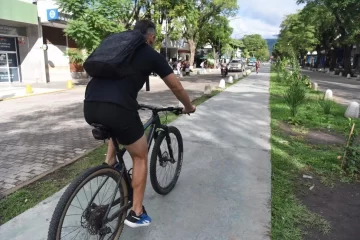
291, 156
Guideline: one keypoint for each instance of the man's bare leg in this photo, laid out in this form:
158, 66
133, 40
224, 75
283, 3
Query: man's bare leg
139, 153
110, 155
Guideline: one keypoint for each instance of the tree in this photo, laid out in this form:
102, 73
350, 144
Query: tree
217, 33
347, 23
92, 21
236, 44
323, 22
197, 13
257, 46
164, 14
296, 37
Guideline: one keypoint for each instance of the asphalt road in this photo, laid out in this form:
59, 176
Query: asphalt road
344, 90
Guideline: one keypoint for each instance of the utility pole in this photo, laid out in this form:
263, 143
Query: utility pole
166, 37
219, 52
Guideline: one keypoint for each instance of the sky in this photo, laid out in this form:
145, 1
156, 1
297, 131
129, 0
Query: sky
261, 16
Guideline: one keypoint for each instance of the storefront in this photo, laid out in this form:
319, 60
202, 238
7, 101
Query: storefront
9, 60
19, 52
176, 50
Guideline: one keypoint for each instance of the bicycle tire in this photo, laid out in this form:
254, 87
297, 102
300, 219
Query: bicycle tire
154, 159
70, 193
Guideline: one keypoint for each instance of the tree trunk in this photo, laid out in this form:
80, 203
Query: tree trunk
347, 59
192, 46
333, 60
318, 51
214, 52
357, 59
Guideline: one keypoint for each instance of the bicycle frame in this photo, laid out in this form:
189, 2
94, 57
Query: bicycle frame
153, 124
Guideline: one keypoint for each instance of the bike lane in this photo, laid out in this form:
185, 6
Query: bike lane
224, 189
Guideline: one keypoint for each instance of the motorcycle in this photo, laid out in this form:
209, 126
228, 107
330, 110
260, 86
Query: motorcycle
224, 71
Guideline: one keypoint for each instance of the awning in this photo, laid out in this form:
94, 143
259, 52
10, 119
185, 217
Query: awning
183, 51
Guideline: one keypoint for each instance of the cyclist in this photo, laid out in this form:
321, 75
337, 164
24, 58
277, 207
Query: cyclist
257, 65
113, 103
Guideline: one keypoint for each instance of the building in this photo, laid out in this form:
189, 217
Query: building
175, 50
20, 53
32, 43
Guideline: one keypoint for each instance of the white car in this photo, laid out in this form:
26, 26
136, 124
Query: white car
235, 65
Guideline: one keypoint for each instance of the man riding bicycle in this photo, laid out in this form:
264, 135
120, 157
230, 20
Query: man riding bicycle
113, 104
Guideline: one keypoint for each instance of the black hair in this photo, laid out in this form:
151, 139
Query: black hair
144, 26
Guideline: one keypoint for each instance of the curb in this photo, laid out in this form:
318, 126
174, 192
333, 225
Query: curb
44, 174
33, 94
37, 94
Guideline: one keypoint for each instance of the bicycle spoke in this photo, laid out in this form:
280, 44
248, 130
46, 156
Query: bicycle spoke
91, 189
110, 197
79, 202
76, 235
85, 195
87, 234
164, 170
107, 192
171, 170
165, 174
104, 183
76, 207
70, 232
104, 192
70, 226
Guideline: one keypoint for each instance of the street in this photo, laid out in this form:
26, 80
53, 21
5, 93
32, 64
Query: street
344, 90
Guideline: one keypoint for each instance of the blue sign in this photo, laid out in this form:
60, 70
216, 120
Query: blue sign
52, 14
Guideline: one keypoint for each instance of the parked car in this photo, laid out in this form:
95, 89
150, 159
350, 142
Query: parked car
235, 65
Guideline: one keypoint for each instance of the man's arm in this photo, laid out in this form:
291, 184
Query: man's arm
163, 69
176, 87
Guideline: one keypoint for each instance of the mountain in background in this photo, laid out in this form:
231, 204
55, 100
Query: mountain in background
271, 43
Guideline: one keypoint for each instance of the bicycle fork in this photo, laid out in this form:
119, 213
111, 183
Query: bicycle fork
168, 142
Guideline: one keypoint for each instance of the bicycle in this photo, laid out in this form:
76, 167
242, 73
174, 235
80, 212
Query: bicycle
95, 216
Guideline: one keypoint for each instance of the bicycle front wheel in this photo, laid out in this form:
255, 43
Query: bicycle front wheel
164, 168
80, 211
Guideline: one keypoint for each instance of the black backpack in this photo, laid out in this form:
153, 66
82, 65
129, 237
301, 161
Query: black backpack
111, 59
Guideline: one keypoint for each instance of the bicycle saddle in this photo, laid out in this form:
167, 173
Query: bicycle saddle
100, 132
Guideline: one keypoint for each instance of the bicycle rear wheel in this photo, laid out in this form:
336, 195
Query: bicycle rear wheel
80, 210
164, 170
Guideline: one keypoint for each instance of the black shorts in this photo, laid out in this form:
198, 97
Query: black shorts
125, 124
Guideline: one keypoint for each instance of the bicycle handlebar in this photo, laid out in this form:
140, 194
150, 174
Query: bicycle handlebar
176, 110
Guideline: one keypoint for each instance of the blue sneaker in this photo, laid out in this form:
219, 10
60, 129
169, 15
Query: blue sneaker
134, 221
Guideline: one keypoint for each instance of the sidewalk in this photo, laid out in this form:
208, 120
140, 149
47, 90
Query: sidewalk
344, 90
224, 189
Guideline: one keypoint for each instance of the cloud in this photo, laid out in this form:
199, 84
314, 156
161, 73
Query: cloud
262, 16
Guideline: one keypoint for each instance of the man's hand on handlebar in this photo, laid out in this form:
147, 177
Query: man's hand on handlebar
189, 110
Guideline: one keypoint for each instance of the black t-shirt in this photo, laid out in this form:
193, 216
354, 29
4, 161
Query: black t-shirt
124, 92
